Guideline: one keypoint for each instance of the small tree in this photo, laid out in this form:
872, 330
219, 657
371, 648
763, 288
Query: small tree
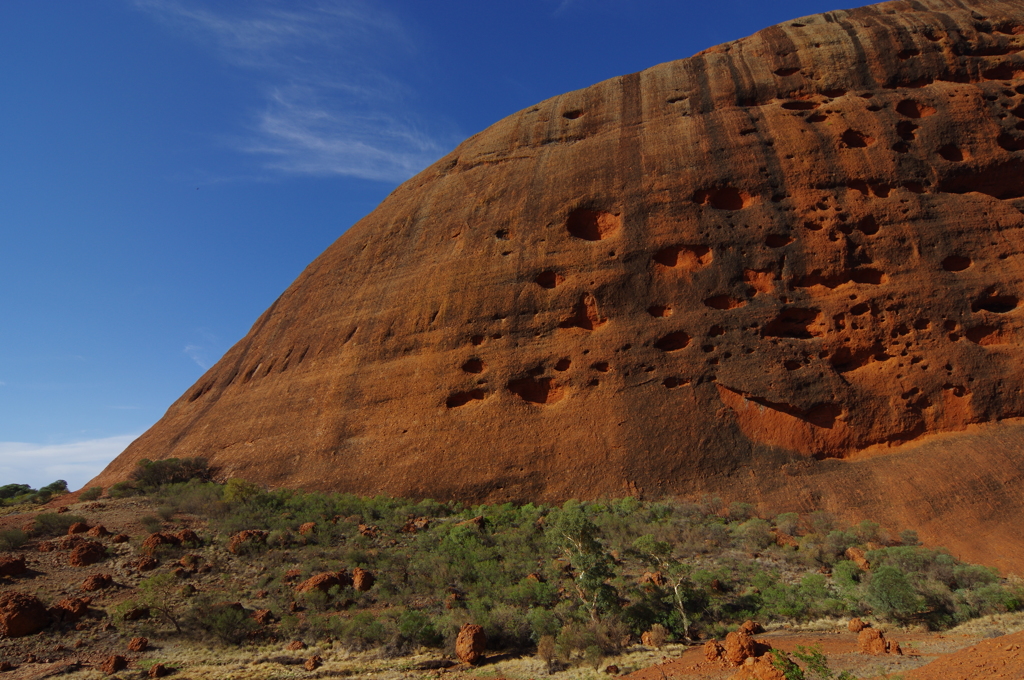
160, 594
891, 594
576, 537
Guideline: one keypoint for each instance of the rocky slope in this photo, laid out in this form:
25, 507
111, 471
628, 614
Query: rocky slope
744, 273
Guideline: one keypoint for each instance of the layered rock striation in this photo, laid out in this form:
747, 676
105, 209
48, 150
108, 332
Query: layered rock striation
745, 273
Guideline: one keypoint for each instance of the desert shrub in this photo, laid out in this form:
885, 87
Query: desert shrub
418, 628
11, 491
969, 576
739, 512
909, 537
891, 595
91, 494
152, 474
869, 532
240, 490
836, 543
229, 623
151, 523
576, 638
361, 631
822, 522
846, 575
543, 623
12, 539
15, 494
754, 534
788, 523
122, 490
54, 524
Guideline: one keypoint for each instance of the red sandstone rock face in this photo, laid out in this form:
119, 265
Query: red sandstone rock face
21, 614
470, 644
324, 582
246, 539
872, 641
86, 553
786, 254
12, 566
97, 582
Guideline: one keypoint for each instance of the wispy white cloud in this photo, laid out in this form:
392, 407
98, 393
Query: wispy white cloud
196, 354
330, 107
75, 462
205, 350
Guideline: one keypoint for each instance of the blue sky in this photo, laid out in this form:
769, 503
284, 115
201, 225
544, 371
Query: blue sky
168, 167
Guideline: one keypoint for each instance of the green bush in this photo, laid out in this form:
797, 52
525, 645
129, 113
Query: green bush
12, 539
229, 623
91, 494
54, 524
156, 473
891, 595
417, 627
122, 490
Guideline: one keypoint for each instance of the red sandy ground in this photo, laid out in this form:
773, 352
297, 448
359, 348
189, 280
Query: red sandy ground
934, 649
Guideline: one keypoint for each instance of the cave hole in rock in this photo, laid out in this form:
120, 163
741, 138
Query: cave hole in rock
906, 130
673, 382
903, 55
723, 302
473, 366
817, 118
786, 71
673, 341
563, 364
800, 105
716, 331
984, 335
659, 311
723, 198
846, 359
1004, 72
793, 322
585, 315
761, 280
999, 304
477, 339
536, 390
777, 240
854, 139
549, 279
687, 258
792, 365
868, 225
914, 109
1003, 179
501, 235
951, 153
573, 114
1010, 143
601, 366
592, 225
865, 275
956, 263
462, 398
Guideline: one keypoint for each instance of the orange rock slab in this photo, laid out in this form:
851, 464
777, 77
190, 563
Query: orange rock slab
747, 273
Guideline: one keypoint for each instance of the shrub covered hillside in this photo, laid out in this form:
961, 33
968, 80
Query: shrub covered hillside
578, 580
